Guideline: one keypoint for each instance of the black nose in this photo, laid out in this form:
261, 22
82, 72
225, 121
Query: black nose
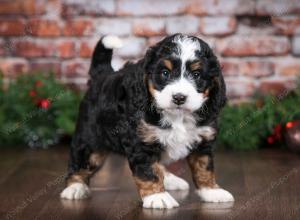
179, 99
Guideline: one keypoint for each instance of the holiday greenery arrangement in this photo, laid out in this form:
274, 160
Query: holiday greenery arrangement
36, 110
268, 121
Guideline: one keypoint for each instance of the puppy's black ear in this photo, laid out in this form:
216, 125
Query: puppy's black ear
148, 59
218, 90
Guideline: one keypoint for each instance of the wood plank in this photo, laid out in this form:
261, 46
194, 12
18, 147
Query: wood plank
104, 186
265, 184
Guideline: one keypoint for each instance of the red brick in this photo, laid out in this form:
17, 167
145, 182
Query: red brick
256, 68
13, 66
287, 67
250, 26
277, 7
44, 48
237, 88
28, 7
288, 25
220, 7
183, 24
253, 46
248, 67
92, 7
12, 27
47, 66
150, 7
65, 49
149, 27
78, 27
87, 47
85, 50
230, 67
275, 86
44, 28
34, 48
218, 26
75, 68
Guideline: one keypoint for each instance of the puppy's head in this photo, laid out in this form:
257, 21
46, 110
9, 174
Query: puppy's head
181, 70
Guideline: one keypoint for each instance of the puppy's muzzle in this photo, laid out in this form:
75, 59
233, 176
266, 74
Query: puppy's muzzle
179, 99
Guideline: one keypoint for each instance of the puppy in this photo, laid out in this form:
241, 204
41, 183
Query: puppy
156, 111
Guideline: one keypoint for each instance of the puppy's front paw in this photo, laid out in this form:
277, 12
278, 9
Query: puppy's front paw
161, 200
172, 182
207, 132
214, 195
76, 191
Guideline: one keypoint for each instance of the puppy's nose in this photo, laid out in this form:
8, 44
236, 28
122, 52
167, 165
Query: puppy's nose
179, 98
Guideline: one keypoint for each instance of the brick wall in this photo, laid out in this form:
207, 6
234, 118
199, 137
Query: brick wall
258, 41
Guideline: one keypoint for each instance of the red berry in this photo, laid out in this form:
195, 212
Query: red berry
44, 103
289, 124
277, 128
38, 83
270, 140
32, 93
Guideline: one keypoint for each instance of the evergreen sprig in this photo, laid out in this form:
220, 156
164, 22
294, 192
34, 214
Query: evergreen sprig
247, 126
36, 110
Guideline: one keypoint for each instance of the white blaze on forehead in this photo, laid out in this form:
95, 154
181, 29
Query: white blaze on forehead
187, 49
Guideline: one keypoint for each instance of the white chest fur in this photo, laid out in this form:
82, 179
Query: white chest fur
179, 139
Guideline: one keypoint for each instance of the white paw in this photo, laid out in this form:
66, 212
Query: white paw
214, 195
207, 132
172, 182
161, 200
112, 42
76, 191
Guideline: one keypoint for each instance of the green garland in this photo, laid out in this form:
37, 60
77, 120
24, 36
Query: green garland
36, 110
247, 126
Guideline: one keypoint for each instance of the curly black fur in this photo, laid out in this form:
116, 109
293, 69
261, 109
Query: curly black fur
116, 102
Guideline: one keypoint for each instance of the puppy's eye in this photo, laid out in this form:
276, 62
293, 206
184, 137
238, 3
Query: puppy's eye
196, 74
165, 74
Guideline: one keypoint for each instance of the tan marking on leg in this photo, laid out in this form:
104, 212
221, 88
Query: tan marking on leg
146, 188
97, 159
95, 162
81, 176
168, 64
146, 132
201, 176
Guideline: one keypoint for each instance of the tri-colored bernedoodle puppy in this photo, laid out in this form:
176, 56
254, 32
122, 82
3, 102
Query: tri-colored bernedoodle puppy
156, 111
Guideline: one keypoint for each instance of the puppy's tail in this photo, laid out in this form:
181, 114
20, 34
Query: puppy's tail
102, 55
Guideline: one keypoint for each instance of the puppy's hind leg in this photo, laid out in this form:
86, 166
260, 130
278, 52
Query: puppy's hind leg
82, 166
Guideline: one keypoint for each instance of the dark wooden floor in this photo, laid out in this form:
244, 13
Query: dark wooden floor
266, 185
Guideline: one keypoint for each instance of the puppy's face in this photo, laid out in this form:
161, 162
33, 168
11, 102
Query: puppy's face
179, 76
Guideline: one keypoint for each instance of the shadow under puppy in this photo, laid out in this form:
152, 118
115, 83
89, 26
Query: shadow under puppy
161, 109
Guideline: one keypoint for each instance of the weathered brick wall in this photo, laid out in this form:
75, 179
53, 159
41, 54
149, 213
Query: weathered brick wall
258, 41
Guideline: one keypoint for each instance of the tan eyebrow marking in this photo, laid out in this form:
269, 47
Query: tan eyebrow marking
195, 66
168, 64
151, 88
